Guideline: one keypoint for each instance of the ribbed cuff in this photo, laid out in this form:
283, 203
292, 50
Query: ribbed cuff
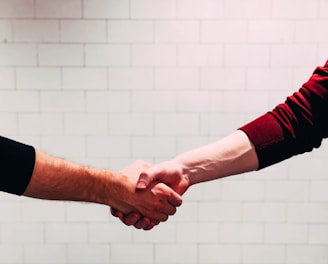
17, 162
269, 140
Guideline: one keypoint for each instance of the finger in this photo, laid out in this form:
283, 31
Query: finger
131, 218
143, 223
175, 199
143, 182
117, 213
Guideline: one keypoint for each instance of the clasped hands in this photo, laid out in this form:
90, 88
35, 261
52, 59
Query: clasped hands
157, 192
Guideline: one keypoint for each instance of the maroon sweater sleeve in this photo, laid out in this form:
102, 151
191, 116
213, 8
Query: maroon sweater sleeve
17, 164
294, 127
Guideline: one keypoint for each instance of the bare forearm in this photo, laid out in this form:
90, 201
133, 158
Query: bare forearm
231, 155
57, 179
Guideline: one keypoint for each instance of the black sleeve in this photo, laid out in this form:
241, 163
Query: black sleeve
17, 161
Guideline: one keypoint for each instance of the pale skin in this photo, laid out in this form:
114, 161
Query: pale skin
57, 179
231, 155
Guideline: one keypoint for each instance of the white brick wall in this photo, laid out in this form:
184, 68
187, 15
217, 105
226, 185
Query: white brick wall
106, 82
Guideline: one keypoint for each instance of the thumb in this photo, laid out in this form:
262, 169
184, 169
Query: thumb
144, 180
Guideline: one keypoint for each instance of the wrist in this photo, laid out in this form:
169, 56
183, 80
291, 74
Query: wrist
110, 188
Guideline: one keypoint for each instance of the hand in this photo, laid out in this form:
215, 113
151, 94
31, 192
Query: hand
170, 173
155, 204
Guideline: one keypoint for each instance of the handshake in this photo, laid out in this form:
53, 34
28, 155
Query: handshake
156, 193
141, 195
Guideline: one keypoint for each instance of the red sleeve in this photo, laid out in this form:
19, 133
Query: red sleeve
294, 127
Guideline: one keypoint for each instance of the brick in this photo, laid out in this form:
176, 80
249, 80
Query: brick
100, 233
136, 252
154, 55
38, 78
177, 78
235, 102
310, 32
85, 124
61, 55
108, 102
114, 146
86, 213
40, 124
285, 233
16, 9
187, 143
241, 233
19, 102
253, 55
242, 190
87, 253
130, 31
198, 233
9, 121
264, 212
269, 79
199, 102
43, 211
264, 254
131, 124
62, 101
307, 212
317, 191
216, 78
318, 234
162, 233
64, 146
287, 191
306, 254
231, 122
200, 54
7, 80
155, 9
43, 254
200, 9
160, 146
11, 254
77, 31
292, 55
131, 78
65, 233
268, 31
177, 31
252, 9
21, 233
223, 31
179, 124
153, 102
109, 9
286, 9
11, 212
36, 31
225, 253
5, 31
107, 55
84, 78
229, 211
182, 253
17, 55
58, 9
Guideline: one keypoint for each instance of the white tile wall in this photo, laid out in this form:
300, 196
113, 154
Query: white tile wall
106, 82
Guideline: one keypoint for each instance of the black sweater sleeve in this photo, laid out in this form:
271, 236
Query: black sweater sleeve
17, 161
